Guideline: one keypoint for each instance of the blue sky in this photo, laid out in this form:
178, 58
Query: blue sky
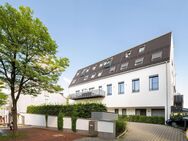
87, 31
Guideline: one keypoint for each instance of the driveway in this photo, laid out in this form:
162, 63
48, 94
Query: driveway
147, 132
152, 132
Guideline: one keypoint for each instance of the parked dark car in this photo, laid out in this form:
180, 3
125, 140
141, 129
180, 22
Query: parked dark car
181, 122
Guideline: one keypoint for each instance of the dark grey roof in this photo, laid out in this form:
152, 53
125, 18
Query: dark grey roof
125, 61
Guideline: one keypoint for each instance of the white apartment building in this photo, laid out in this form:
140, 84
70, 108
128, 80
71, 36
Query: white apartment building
138, 81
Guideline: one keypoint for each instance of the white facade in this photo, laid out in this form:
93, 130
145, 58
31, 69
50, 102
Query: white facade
152, 101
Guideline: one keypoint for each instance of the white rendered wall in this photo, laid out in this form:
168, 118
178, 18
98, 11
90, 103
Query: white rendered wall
82, 124
52, 121
44, 98
34, 119
144, 98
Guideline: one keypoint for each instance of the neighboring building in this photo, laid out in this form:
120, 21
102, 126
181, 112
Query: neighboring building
140, 80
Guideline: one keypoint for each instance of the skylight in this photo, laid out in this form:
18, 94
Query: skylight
94, 67
127, 54
74, 81
86, 77
156, 55
141, 50
93, 75
124, 66
99, 74
139, 61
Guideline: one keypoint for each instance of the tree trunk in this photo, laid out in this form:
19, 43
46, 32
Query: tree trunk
14, 115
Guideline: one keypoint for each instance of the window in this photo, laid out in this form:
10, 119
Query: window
154, 82
109, 89
141, 112
156, 55
121, 87
124, 66
142, 49
99, 74
116, 111
86, 77
93, 75
87, 70
94, 67
136, 85
91, 89
78, 91
124, 111
84, 90
139, 61
127, 54
101, 64
112, 69
108, 63
77, 73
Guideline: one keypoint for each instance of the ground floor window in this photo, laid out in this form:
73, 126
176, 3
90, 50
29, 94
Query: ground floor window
116, 111
141, 112
158, 112
124, 111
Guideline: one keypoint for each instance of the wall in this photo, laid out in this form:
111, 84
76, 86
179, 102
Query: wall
105, 129
141, 99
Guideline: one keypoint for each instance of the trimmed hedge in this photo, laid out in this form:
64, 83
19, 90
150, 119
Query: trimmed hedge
120, 126
60, 121
83, 110
144, 119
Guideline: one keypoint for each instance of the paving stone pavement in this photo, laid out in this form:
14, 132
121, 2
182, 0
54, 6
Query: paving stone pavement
147, 132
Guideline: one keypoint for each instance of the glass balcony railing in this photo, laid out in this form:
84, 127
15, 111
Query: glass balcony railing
97, 93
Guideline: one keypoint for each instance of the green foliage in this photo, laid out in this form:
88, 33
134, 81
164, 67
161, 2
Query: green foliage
46, 119
60, 121
74, 117
3, 97
120, 126
28, 61
83, 110
144, 119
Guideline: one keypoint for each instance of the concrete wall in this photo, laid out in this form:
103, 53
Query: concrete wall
105, 129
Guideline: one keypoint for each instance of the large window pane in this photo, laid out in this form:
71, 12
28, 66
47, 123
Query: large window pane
121, 87
154, 82
136, 85
109, 89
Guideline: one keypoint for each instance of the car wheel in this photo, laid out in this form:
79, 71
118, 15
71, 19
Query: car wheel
174, 124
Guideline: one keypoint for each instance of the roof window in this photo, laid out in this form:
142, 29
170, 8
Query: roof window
124, 66
86, 77
127, 54
141, 49
139, 61
93, 75
156, 55
73, 81
99, 74
108, 63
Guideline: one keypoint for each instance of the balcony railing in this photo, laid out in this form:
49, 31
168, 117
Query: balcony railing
88, 94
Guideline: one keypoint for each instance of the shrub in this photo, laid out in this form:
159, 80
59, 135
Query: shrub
83, 110
60, 121
74, 119
144, 119
46, 119
120, 126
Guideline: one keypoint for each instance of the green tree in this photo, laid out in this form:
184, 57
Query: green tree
28, 61
3, 97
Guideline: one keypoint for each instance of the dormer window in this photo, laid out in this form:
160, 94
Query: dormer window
77, 73
108, 63
112, 69
94, 67
101, 64
99, 74
156, 55
141, 50
87, 70
86, 77
124, 66
127, 54
93, 75
139, 61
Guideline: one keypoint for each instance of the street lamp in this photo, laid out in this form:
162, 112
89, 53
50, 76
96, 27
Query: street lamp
67, 98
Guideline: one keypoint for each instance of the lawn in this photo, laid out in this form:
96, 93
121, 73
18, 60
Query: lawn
38, 134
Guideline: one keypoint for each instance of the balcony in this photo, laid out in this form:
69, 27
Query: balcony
98, 93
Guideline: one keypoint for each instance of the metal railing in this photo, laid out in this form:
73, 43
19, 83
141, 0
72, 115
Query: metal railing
87, 94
